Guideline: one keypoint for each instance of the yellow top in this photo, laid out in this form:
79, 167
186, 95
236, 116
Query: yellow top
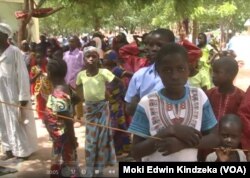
94, 86
201, 79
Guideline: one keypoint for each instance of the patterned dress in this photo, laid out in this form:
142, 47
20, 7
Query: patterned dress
99, 145
42, 89
117, 115
62, 133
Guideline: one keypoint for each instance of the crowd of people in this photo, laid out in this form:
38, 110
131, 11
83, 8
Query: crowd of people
155, 99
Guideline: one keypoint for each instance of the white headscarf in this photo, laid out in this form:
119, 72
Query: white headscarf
90, 48
6, 29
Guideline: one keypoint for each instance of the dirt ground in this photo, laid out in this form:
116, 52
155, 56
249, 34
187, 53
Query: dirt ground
38, 165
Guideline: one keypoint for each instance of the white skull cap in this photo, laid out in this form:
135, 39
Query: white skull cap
90, 48
6, 29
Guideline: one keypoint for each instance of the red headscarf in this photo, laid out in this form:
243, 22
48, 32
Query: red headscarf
194, 53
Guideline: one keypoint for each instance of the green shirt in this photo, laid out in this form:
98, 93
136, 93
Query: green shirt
94, 86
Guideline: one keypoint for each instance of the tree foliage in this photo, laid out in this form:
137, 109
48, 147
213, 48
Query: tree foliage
87, 15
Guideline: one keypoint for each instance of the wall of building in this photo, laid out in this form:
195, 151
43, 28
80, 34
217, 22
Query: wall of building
7, 15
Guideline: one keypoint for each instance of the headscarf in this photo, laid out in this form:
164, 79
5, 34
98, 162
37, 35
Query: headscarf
6, 29
89, 49
194, 53
112, 55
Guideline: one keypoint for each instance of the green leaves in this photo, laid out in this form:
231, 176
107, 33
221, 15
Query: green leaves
85, 15
226, 9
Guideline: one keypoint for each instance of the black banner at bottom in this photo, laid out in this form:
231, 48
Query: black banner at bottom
187, 169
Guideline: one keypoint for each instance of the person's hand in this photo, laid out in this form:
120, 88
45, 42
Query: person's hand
170, 145
23, 103
187, 134
222, 154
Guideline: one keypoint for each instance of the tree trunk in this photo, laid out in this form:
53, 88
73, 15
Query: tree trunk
21, 32
132, 29
23, 24
29, 7
222, 40
195, 31
97, 24
26, 5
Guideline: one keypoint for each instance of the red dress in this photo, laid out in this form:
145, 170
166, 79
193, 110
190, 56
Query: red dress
41, 88
244, 113
225, 104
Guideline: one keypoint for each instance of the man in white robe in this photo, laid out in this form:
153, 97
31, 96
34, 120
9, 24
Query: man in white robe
17, 126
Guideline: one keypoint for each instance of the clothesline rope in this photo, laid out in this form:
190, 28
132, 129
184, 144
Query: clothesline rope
99, 125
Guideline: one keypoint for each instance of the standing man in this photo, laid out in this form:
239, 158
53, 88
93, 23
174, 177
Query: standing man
17, 126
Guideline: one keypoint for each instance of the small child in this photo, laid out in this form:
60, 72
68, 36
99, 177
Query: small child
225, 98
230, 132
61, 129
42, 86
177, 114
99, 146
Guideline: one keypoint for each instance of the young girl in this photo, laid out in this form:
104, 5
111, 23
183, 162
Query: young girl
197, 77
42, 87
225, 98
99, 146
207, 51
177, 114
230, 132
61, 129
